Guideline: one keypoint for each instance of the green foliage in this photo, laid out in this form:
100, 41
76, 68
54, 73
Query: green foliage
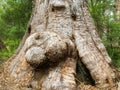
14, 16
11, 46
103, 14
113, 42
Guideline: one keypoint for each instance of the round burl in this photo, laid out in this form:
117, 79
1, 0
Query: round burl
45, 46
35, 56
56, 49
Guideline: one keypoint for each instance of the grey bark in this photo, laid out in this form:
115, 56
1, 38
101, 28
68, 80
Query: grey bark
61, 35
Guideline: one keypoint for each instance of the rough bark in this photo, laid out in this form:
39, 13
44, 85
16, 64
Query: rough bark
60, 35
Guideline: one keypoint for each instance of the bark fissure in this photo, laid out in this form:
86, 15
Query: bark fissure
83, 74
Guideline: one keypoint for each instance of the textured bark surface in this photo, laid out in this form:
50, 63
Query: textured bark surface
60, 51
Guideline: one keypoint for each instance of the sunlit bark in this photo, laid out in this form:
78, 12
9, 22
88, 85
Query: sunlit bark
60, 34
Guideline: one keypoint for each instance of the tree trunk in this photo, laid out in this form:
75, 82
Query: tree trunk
117, 10
60, 51
116, 43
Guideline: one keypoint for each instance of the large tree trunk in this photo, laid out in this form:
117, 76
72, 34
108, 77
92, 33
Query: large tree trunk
59, 51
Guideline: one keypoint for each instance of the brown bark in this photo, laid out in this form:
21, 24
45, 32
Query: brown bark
60, 35
117, 10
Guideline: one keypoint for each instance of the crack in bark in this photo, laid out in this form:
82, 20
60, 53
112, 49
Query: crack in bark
62, 38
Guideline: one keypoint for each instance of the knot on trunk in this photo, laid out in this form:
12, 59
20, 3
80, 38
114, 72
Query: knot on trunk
35, 55
45, 46
58, 5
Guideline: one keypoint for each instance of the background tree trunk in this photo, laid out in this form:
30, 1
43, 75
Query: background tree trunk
59, 51
117, 19
117, 10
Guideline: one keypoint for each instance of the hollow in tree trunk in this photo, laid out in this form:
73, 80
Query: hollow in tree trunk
61, 50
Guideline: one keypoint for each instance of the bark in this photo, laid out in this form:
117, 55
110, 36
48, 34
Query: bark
60, 51
117, 10
117, 19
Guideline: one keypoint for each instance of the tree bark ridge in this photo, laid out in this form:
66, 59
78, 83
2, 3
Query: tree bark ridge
61, 33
